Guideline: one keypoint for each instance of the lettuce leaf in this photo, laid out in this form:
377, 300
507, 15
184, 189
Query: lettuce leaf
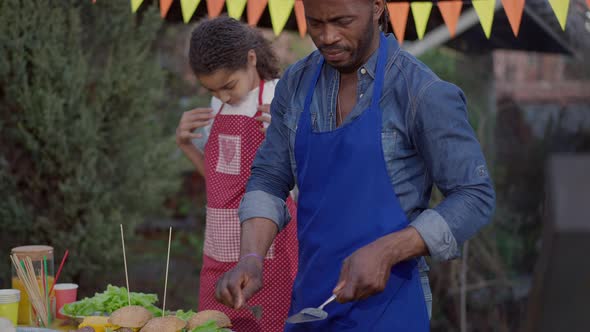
110, 300
184, 315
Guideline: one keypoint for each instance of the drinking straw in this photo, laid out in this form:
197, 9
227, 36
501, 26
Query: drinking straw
46, 288
43, 283
61, 265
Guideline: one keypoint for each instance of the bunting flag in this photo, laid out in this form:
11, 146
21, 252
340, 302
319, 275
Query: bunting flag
135, 5
300, 16
214, 7
560, 7
514, 10
450, 11
421, 13
235, 8
398, 15
255, 10
188, 9
280, 10
165, 7
485, 11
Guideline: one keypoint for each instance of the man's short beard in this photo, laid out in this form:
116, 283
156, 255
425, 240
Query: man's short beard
358, 55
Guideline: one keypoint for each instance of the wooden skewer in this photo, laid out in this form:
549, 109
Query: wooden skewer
37, 289
33, 276
28, 279
125, 262
166, 278
30, 273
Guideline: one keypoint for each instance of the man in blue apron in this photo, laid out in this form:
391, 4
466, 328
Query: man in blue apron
364, 130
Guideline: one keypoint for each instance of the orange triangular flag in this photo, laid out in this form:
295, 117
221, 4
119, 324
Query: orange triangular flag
451, 11
398, 15
300, 16
165, 7
514, 9
588, 2
255, 10
214, 7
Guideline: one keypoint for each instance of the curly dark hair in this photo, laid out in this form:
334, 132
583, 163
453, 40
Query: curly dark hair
223, 43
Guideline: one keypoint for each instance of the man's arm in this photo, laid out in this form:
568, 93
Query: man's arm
454, 158
271, 176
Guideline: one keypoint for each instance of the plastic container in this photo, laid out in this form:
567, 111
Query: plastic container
9, 300
36, 253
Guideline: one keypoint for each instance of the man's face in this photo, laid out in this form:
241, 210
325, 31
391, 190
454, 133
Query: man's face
343, 30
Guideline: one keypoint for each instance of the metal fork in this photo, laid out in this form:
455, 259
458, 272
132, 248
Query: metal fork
255, 309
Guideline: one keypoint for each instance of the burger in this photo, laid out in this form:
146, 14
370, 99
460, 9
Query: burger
129, 319
205, 316
164, 324
139, 319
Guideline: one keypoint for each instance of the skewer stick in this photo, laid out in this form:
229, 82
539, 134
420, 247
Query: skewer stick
33, 276
125, 262
23, 271
37, 289
166, 279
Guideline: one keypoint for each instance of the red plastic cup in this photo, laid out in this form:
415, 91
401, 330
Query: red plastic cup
64, 294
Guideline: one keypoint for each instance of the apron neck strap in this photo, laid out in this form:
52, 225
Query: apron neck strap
380, 72
311, 87
260, 91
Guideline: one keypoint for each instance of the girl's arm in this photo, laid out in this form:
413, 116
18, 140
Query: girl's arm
196, 157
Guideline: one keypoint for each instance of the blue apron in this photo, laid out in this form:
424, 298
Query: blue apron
346, 201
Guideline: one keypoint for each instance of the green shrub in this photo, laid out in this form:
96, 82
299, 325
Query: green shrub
82, 143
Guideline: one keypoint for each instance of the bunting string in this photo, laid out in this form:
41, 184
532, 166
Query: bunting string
281, 10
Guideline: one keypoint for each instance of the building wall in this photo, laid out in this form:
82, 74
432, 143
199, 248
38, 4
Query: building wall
542, 88
541, 78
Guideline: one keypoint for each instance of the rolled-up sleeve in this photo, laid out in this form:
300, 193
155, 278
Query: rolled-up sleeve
260, 204
271, 176
452, 154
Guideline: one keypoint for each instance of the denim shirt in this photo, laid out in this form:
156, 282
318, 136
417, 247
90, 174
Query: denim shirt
426, 139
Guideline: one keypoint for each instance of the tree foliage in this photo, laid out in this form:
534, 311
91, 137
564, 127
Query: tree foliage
82, 145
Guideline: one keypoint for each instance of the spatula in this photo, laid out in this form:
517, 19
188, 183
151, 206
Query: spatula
311, 314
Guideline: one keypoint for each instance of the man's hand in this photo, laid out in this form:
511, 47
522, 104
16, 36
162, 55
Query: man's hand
367, 270
239, 284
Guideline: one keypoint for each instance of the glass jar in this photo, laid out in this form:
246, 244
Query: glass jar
26, 314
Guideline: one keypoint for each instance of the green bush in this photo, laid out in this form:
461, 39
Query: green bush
82, 143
